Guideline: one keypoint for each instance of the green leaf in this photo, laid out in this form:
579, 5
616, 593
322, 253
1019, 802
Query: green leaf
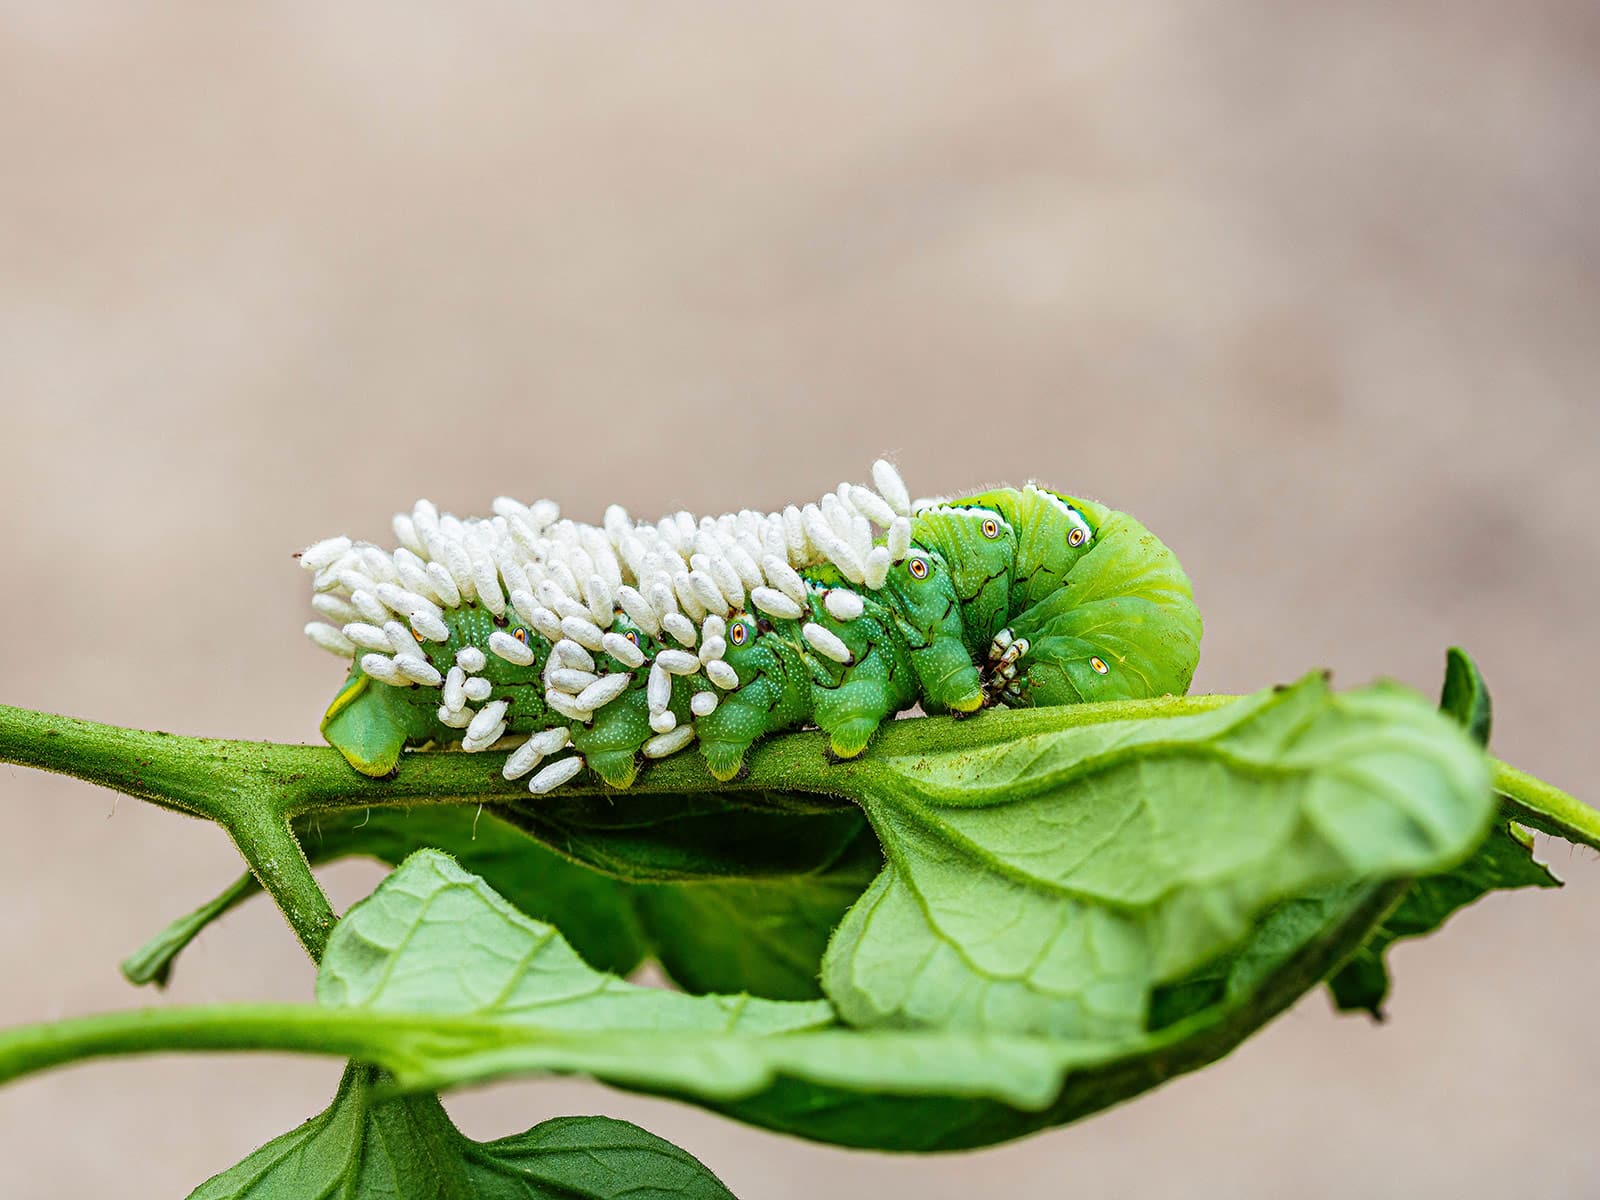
364, 1148
389, 954
783, 1067
153, 961
1465, 696
1276, 937
650, 837
1050, 883
891, 1089
354, 1148
763, 935
1503, 861
594, 914
601, 1157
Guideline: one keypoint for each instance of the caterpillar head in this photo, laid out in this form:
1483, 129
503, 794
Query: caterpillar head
1053, 532
974, 540
979, 545
929, 616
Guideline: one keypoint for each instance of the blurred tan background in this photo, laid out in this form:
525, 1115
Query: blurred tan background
1311, 288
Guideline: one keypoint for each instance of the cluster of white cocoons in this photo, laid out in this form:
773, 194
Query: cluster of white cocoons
679, 579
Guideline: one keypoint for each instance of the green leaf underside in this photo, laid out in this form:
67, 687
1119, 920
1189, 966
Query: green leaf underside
1503, 860
648, 837
891, 1089
591, 910
1232, 975
1051, 883
435, 938
364, 1147
763, 935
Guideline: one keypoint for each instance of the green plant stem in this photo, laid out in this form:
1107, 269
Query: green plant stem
215, 778
1546, 808
253, 789
279, 864
187, 775
352, 1033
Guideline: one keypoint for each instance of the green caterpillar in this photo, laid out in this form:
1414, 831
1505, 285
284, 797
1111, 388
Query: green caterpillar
599, 645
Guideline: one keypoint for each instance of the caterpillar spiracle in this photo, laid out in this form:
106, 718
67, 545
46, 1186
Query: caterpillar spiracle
593, 646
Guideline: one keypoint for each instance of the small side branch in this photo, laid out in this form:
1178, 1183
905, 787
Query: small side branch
280, 866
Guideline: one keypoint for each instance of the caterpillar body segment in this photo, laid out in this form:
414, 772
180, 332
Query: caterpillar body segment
372, 724
849, 700
978, 545
927, 613
773, 692
1053, 533
601, 646
611, 743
